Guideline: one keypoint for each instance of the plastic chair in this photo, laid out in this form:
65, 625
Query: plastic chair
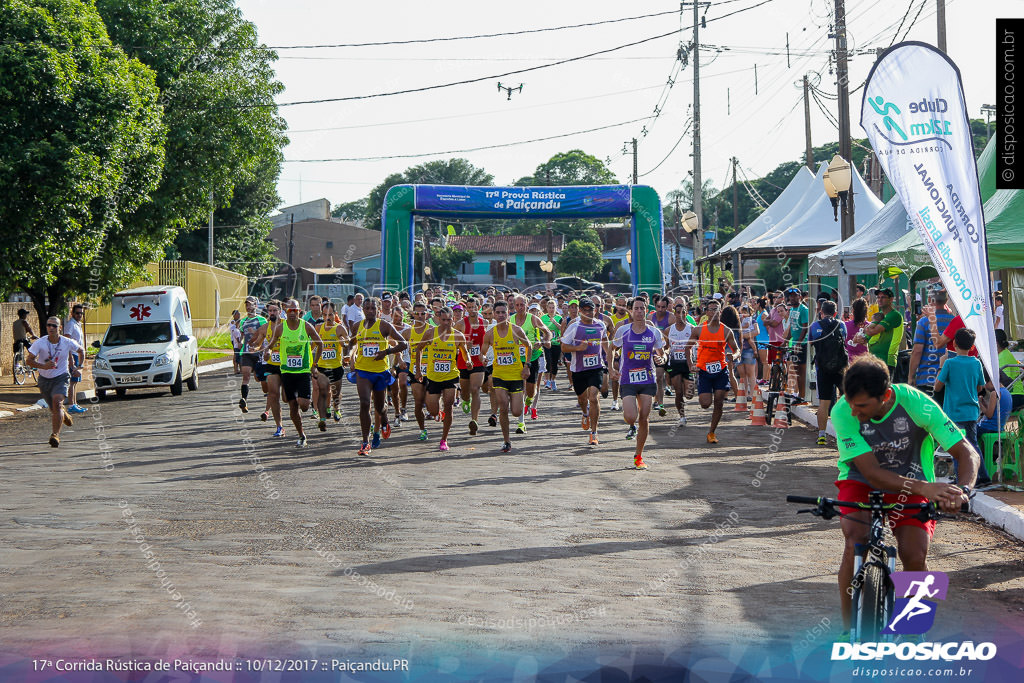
1011, 452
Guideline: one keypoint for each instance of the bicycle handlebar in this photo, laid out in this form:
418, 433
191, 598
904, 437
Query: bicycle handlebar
802, 499
928, 509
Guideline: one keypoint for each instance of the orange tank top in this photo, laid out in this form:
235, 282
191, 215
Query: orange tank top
711, 349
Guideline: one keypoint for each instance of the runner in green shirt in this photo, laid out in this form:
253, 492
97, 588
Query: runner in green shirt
886, 345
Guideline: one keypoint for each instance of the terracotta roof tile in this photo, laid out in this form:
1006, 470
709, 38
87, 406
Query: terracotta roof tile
506, 244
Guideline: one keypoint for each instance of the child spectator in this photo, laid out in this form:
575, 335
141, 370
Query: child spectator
963, 379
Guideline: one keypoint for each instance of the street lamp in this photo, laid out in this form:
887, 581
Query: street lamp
837, 183
690, 221
547, 266
629, 257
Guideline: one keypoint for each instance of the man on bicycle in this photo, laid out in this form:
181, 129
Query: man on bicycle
886, 435
22, 330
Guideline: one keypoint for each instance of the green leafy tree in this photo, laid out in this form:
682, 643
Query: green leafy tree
81, 150
579, 258
351, 211
574, 167
442, 172
445, 261
225, 138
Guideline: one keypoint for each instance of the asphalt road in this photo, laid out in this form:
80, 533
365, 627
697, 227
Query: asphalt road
157, 524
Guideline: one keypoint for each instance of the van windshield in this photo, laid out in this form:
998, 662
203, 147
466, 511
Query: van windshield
141, 333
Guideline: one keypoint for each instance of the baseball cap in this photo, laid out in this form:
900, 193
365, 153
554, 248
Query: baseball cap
538, 297
457, 307
585, 302
574, 301
717, 295
386, 297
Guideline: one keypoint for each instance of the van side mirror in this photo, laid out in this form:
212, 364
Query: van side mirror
96, 345
182, 338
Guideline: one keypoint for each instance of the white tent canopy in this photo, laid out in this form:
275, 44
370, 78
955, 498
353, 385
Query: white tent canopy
811, 224
859, 254
782, 205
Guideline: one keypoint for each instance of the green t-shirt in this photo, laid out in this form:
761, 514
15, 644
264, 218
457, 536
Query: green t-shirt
887, 344
903, 441
1006, 358
555, 327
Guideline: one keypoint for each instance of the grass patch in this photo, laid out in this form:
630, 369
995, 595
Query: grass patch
221, 340
209, 355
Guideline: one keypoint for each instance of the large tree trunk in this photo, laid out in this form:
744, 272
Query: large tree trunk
48, 302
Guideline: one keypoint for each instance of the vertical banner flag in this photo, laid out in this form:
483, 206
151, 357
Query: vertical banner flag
916, 119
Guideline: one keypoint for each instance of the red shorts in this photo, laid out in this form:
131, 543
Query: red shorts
774, 350
857, 492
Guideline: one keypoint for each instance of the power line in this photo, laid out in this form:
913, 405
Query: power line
460, 151
686, 131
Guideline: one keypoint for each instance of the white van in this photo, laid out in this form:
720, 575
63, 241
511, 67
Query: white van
149, 343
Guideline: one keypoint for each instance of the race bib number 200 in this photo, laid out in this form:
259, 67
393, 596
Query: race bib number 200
329, 354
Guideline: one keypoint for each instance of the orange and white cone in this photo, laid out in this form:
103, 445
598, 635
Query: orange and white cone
781, 420
741, 398
757, 414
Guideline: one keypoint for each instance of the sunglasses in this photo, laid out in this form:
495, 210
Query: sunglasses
52, 325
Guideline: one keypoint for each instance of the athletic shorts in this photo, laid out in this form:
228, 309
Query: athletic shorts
487, 371
830, 385
379, 380
774, 350
534, 371
679, 370
250, 360
708, 382
48, 386
566, 356
638, 390
857, 492
584, 379
264, 370
551, 357
296, 385
748, 357
512, 386
333, 374
439, 387
468, 372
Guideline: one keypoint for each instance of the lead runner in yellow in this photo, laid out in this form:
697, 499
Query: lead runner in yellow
443, 343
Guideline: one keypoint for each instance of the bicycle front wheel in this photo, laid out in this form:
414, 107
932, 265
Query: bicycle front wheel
873, 613
20, 373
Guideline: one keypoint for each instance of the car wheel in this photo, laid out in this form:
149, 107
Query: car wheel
177, 385
193, 381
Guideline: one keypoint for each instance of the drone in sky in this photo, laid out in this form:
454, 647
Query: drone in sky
509, 89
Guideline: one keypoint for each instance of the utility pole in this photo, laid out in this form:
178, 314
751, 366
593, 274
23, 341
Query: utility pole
809, 153
551, 244
735, 219
697, 185
428, 261
632, 142
209, 253
940, 19
845, 145
291, 250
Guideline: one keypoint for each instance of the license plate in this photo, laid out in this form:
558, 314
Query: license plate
131, 379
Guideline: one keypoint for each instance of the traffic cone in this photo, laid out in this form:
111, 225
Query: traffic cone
741, 398
757, 414
781, 420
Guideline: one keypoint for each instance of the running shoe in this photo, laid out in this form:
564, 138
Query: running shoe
443, 446
554, 385
375, 443
440, 416
492, 420
242, 405
322, 424
585, 423
54, 440
638, 462
316, 415
661, 410
521, 427
631, 434
301, 443
279, 432
822, 440
712, 438
473, 427
76, 409
403, 417
263, 416
668, 391
681, 422
68, 421
337, 415
533, 413
604, 394
615, 405
506, 448
423, 435
364, 449
593, 439
386, 431
466, 407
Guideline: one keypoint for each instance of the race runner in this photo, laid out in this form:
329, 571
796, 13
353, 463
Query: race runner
712, 373
509, 370
641, 343
332, 371
886, 435
472, 373
536, 332
252, 342
443, 344
552, 355
587, 341
269, 371
371, 363
51, 355
662, 318
620, 316
298, 341
413, 336
678, 338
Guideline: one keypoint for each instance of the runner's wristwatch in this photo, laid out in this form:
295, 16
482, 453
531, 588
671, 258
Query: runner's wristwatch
966, 489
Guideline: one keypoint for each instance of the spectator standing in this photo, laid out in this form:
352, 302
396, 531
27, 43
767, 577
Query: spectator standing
1006, 358
887, 333
1000, 321
799, 320
355, 315
854, 326
962, 378
828, 338
236, 341
925, 359
75, 331
761, 340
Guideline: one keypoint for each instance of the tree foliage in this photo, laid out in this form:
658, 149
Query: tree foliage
81, 151
211, 68
441, 172
579, 258
444, 261
351, 212
574, 167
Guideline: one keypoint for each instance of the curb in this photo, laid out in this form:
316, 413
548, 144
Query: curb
90, 394
993, 511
